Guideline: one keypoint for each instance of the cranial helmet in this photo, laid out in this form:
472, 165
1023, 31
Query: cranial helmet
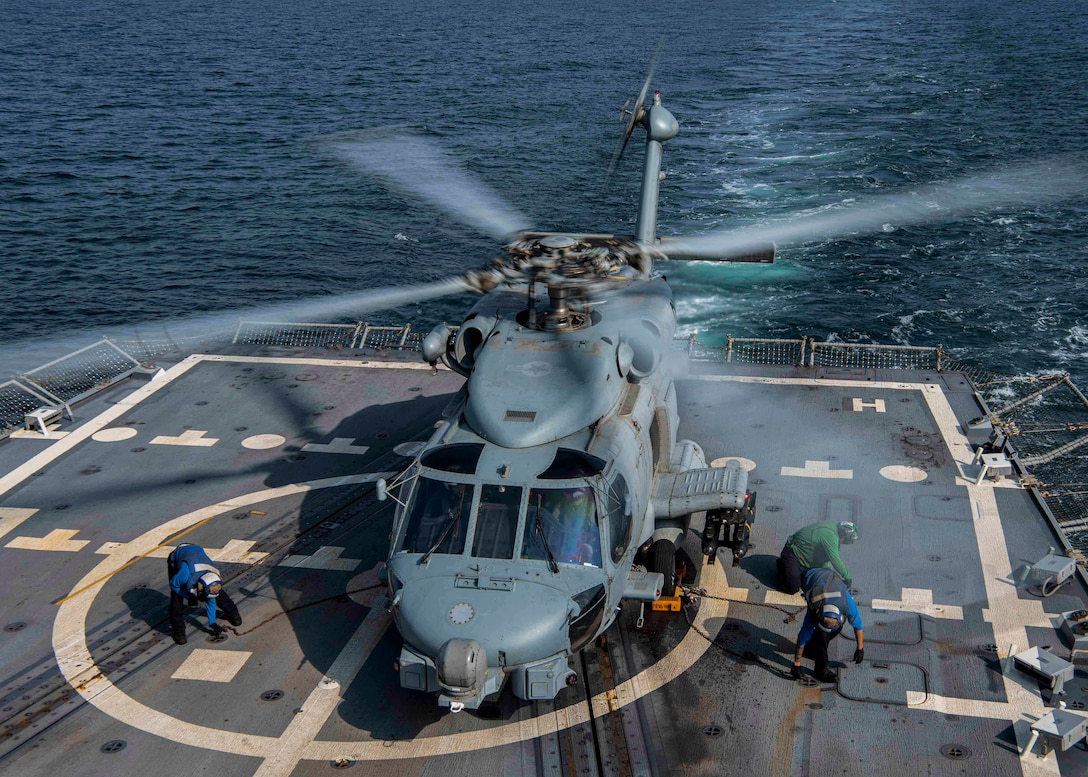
208, 586
848, 531
830, 618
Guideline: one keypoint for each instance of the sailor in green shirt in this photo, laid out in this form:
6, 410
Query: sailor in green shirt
814, 546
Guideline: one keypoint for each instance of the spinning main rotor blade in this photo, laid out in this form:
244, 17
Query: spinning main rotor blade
418, 167
219, 327
942, 202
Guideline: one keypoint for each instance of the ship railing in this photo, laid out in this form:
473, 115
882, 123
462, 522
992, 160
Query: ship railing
1043, 419
808, 352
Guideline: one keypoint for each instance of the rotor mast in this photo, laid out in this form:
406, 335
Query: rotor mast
660, 126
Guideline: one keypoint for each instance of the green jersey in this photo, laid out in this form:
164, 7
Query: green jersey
817, 545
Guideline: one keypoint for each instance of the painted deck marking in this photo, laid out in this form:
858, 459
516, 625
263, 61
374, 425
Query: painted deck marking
11, 517
263, 442
338, 445
58, 539
214, 666
325, 557
900, 473
114, 434
920, 600
859, 405
78, 667
190, 437
817, 469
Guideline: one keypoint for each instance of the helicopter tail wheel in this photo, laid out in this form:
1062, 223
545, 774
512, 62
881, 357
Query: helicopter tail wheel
663, 560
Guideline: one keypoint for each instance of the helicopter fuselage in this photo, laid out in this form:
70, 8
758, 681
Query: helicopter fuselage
520, 519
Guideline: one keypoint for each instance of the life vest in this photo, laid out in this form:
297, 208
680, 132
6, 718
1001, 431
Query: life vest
825, 592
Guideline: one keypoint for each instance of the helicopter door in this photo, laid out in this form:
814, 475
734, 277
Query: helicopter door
496, 522
561, 526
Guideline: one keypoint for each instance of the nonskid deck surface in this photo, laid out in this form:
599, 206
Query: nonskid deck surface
270, 463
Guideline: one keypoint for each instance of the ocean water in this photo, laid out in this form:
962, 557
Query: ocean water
159, 160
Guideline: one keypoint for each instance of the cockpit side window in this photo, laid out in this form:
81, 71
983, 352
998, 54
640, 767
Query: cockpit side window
619, 517
438, 517
561, 524
496, 522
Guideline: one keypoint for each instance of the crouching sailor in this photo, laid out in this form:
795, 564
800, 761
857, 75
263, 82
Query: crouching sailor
193, 579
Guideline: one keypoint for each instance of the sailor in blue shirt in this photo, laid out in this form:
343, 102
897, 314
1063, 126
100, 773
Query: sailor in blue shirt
829, 605
193, 579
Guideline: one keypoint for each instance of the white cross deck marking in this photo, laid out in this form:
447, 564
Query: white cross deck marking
190, 437
234, 552
325, 557
58, 539
817, 469
215, 666
920, 600
859, 405
338, 445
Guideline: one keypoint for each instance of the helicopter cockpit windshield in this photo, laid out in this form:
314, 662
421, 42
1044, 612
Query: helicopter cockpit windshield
561, 527
438, 518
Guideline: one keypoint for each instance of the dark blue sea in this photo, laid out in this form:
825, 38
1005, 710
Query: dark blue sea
159, 160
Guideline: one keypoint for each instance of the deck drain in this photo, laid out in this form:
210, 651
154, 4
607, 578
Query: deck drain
815, 706
342, 763
933, 558
915, 453
989, 648
138, 450
240, 516
17, 626
807, 681
114, 746
305, 376
201, 403
732, 627
713, 731
241, 428
1076, 705
62, 507
955, 752
772, 508
274, 695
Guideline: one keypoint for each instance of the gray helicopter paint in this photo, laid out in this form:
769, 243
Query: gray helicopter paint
660, 126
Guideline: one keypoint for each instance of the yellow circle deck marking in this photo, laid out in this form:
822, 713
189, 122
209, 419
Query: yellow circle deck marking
78, 666
262, 442
114, 434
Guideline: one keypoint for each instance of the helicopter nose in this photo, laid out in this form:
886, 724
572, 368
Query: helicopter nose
524, 623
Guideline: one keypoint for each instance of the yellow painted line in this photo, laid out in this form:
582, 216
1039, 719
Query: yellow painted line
132, 561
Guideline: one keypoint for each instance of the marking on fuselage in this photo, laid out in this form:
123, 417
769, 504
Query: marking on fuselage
114, 434
214, 666
338, 445
11, 517
190, 437
859, 405
920, 600
900, 473
58, 539
817, 469
325, 557
263, 442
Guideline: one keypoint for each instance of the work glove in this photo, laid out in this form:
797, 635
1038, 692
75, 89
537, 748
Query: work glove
795, 673
859, 655
217, 629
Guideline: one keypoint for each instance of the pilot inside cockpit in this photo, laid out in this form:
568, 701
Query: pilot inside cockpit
568, 523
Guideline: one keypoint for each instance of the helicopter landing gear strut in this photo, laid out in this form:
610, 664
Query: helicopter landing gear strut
731, 528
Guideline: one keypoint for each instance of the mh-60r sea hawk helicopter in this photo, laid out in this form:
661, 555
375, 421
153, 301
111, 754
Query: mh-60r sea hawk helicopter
556, 473
557, 468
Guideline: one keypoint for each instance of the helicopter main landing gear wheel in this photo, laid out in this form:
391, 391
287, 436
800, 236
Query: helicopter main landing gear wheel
663, 560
